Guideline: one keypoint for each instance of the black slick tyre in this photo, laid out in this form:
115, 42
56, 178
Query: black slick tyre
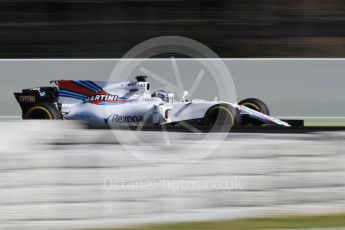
221, 118
255, 104
42, 111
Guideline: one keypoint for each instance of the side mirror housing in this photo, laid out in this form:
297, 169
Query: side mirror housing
184, 96
171, 97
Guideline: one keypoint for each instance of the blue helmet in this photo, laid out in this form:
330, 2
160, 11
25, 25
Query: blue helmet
162, 94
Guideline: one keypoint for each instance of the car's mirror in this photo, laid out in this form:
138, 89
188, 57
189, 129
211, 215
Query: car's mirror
184, 96
171, 97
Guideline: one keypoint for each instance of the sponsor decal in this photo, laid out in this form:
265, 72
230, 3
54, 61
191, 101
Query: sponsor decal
136, 84
115, 118
88, 92
82, 116
99, 98
27, 98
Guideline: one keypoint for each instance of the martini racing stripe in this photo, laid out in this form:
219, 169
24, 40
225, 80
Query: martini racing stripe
72, 93
117, 102
63, 93
88, 86
95, 85
74, 87
71, 96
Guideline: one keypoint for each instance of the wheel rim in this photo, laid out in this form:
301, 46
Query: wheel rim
39, 112
221, 117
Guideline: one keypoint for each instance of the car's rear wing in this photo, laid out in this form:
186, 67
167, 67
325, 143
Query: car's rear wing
29, 97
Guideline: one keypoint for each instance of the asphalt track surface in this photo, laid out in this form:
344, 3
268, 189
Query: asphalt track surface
249, 129
59, 167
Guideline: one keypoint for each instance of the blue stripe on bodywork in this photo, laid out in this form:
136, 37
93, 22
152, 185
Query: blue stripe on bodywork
71, 96
63, 92
94, 85
111, 103
72, 93
87, 85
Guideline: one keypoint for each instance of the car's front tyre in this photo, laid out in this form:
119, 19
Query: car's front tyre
222, 118
255, 104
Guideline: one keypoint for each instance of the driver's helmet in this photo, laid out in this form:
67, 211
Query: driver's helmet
162, 94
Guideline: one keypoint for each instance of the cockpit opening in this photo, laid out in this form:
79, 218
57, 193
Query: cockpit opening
162, 94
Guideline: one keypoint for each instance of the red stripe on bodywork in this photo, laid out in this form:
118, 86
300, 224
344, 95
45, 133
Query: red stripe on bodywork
70, 85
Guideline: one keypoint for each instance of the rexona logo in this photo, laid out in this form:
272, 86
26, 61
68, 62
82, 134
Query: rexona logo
115, 118
99, 98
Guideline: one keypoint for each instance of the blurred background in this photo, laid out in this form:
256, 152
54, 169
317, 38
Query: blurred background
311, 89
232, 28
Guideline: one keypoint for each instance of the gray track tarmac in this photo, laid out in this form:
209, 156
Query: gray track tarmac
56, 175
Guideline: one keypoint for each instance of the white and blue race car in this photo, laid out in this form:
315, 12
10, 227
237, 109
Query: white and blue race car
104, 104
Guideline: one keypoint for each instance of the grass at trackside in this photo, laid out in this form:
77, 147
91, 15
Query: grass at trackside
282, 222
325, 123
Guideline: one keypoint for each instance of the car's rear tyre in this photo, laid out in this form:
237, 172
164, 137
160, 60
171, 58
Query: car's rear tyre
42, 111
222, 118
255, 104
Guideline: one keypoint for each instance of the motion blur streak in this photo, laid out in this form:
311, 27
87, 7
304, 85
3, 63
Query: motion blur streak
55, 175
232, 28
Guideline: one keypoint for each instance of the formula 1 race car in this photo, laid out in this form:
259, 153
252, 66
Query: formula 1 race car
105, 104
